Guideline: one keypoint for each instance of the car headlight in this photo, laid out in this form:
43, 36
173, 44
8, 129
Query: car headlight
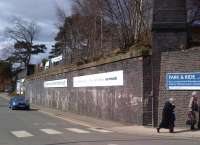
14, 103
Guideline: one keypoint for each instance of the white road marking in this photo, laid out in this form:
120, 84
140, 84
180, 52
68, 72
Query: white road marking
50, 131
21, 134
100, 130
76, 130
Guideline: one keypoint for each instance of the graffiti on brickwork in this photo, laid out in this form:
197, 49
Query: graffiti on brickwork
94, 94
135, 100
146, 101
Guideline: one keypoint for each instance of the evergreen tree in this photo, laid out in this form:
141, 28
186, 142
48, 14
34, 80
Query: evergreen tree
24, 33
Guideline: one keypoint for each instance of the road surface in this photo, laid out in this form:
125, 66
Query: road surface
35, 128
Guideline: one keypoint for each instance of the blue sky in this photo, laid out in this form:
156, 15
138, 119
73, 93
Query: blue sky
43, 12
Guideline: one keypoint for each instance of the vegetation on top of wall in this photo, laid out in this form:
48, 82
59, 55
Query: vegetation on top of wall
113, 57
101, 28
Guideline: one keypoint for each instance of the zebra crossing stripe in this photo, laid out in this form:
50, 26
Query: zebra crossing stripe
100, 130
50, 131
76, 130
21, 134
25, 134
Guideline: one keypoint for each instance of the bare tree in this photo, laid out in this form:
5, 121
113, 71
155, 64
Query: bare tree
98, 27
24, 33
61, 15
129, 17
193, 8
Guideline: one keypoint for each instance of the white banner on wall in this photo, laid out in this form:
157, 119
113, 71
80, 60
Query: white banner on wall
47, 64
56, 59
114, 78
55, 83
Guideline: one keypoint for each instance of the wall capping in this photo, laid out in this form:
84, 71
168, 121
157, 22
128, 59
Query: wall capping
64, 69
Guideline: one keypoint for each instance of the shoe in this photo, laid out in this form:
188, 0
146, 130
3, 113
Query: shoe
158, 130
171, 130
198, 126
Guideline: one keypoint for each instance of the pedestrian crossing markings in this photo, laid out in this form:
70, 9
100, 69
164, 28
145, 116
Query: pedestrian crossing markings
25, 134
21, 134
100, 130
76, 130
50, 131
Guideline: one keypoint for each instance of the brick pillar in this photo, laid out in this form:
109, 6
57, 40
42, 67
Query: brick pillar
169, 34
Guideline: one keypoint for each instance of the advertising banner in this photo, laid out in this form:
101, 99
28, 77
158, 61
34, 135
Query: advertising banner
56, 83
56, 59
114, 78
183, 81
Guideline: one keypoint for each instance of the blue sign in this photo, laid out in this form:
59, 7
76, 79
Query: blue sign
183, 81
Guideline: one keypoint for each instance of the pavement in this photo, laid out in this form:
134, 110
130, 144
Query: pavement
43, 126
117, 127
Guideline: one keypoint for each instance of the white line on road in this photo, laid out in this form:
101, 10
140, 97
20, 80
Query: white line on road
50, 131
100, 130
76, 130
21, 134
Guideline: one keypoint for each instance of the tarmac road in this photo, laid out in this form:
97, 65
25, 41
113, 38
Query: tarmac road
35, 128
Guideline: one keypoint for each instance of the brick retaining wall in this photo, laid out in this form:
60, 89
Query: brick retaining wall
121, 103
178, 62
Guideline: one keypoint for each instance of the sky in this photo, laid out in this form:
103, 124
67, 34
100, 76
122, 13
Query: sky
42, 12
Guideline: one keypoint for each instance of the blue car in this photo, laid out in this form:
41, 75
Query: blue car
19, 102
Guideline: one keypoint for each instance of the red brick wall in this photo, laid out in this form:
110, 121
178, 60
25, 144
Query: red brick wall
178, 62
120, 103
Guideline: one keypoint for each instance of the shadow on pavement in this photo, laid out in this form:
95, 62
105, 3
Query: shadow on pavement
186, 130
182, 131
131, 141
34, 109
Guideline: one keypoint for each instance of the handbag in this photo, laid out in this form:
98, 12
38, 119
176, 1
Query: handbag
191, 118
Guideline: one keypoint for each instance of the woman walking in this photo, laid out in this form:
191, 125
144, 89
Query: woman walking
168, 116
193, 110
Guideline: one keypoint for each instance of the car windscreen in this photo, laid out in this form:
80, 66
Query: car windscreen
19, 98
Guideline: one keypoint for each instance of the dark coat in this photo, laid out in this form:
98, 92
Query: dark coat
168, 116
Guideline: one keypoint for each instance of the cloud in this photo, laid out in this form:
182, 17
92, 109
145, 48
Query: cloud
43, 12
5, 48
